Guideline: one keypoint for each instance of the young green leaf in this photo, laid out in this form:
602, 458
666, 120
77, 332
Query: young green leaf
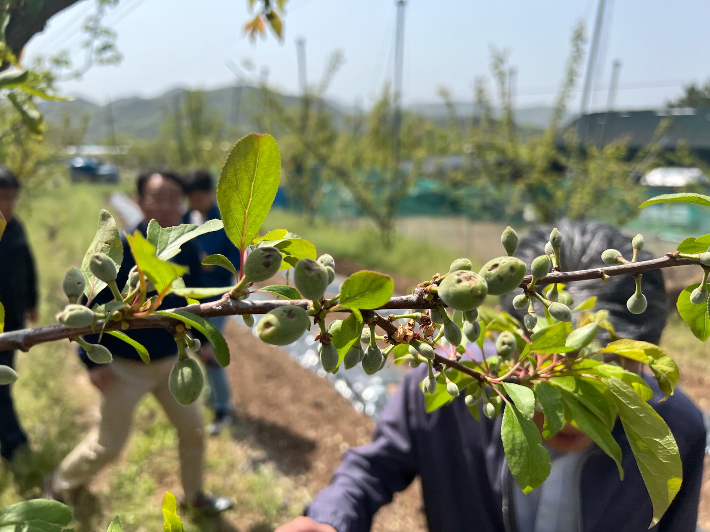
345, 333
281, 290
653, 445
587, 304
201, 293
664, 368
247, 187
366, 290
275, 234
115, 525
108, 241
523, 397
589, 423
172, 522
30, 114
12, 78
528, 460
590, 393
160, 272
695, 245
551, 400
683, 197
222, 261
140, 348
167, 240
611, 370
46, 510
295, 249
219, 344
696, 316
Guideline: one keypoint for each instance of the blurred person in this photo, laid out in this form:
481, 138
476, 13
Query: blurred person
466, 484
126, 380
18, 295
203, 207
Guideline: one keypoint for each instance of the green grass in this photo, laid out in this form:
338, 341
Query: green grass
407, 257
56, 403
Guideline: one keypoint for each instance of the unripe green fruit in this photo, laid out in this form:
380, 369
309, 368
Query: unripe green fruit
73, 284
328, 357
471, 330
331, 274
412, 350
365, 336
555, 238
553, 294
425, 350
461, 264
327, 261
471, 401
196, 344
248, 320
103, 267
98, 354
186, 381
452, 389
560, 312
530, 320
509, 239
489, 410
353, 357
470, 315
520, 301
436, 317
76, 316
610, 257
698, 296
452, 333
549, 250
638, 242
506, 344
565, 297
429, 384
540, 266
134, 278
311, 279
283, 325
503, 275
704, 258
7, 375
463, 290
372, 361
637, 305
262, 263
460, 349
415, 363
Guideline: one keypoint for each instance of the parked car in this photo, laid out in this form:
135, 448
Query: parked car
92, 170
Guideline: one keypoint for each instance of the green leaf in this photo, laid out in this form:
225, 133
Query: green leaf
247, 187
219, 344
222, 261
553, 336
46, 510
551, 400
587, 304
172, 522
366, 290
167, 240
295, 249
140, 348
34, 526
201, 293
583, 336
345, 333
523, 397
653, 445
592, 394
441, 397
527, 459
695, 245
588, 422
108, 241
30, 114
10, 79
2, 317
630, 378
275, 234
115, 525
287, 292
275, 23
160, 272
482, 335
664, 368
3, 225
683, 197
696, 316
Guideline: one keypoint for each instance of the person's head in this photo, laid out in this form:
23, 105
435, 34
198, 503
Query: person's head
161, 195
582, 246
9, 189
199, 188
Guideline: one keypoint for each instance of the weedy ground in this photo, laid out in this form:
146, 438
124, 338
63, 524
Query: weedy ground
293, 426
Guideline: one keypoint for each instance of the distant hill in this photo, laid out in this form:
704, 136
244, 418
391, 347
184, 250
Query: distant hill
142, 118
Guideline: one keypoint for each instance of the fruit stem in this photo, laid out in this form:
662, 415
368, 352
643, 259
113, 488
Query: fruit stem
637, 278
542, 299
373, 338
703, 284
235, 292
114, 290
83, 343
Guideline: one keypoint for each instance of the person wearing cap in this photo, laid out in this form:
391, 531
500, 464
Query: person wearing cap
465, 480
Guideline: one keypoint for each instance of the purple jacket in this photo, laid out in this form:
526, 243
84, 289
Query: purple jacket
465, 483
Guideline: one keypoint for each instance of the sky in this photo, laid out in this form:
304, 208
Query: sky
185, 43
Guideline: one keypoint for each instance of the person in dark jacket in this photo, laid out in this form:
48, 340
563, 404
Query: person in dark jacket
465, 480
18, 295
127, 379
203, 207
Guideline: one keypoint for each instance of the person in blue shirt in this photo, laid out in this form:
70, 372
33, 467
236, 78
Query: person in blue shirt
203, 207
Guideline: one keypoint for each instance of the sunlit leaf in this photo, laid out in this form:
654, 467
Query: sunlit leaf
171, 520
551, 400
528, 460
695, 245
281, 290
160, 272
30, 114
366, 290
682, 197
206, 327
46, 510
108, 241
664, 368
696, 316
167, 240
140, 348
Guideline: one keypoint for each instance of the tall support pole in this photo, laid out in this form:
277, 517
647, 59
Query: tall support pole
398, 66
594, 49
302, 81
613, 85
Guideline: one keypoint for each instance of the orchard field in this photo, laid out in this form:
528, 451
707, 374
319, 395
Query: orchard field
288, 440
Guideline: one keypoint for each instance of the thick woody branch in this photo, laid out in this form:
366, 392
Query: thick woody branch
24, 339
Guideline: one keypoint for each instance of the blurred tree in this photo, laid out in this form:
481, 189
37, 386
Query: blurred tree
694, 95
